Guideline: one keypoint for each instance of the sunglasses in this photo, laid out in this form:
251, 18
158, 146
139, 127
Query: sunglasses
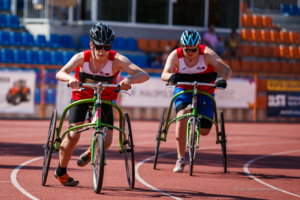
190, 50
99, 47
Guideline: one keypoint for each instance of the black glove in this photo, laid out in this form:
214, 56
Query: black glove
173, 79
221, 83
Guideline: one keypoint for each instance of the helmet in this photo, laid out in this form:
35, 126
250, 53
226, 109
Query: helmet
101, 34
190, 38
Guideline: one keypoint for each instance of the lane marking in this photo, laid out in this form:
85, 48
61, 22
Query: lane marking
246, 170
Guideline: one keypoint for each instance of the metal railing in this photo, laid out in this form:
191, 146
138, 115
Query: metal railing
272, 6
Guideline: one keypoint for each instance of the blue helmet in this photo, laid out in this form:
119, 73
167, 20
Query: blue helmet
190, 37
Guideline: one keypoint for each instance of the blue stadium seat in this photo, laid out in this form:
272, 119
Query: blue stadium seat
84, 42
4, 38
285, 9
67, 56
119, 43
16, 39
50, 95
38, 76
28, 39
41, 41
37, 95
294, 10
20, 56
45, 57
7, 56
66, 41
32, 57
141, 61
6, 4
130, 57
50, 77
13, 21
57, 58
3, 20
54, 41
131, 44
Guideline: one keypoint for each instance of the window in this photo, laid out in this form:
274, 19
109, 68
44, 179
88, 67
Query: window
189, 12
224, 13
85, 9
153, 12
114, 10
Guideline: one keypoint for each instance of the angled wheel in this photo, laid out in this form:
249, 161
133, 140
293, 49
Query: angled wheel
48, 147
158, 138
129, 152
223, 143
192, 150
98, 166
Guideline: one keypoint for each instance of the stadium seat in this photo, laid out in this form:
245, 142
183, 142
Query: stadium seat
153, 46
5, 5
266, 66
67, 56
285, 67
162, 45
245, 66
262, 85
284, 51
275, 51
267, 21
285, 9
7, 56
54, 41
37, 95
248, 20
84, 42
246, 34
173, 44
256, 35
3, 22
284, 37
265, 35
275, 36
141, 61
275, 66
13, 21
295, 67
27, 39
4, 38
131, 44
266, 51
294, 10
294, 52
57, 58
32, 57
255, 66
50, 77
256, 50
257, 21
41, 41
45, 57
142, 44
227, 62
20, 56
66, 41
16, 39
235, 65
50, 96
294, 37
130, 57
119, 44
246, 49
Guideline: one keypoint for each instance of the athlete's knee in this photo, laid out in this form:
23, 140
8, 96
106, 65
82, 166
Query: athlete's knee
204, 131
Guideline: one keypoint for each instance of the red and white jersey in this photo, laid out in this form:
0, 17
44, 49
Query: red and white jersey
106, 71
199, 68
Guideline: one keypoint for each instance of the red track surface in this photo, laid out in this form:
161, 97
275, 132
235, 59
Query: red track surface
22, 141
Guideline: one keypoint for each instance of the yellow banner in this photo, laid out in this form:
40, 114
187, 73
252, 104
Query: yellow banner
284, 85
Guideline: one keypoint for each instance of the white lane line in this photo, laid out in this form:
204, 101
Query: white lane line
246, 170
138, 177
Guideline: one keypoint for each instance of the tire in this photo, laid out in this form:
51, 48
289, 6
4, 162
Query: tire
158, 138
223, 143
192, 150
98, 166
49, 147
129, 152
17, 100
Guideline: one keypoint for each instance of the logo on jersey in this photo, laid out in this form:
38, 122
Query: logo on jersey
184, 68
105, 74
201, 69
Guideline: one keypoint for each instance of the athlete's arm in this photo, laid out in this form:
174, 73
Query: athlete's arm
64, 73
169, 66
137, 74
211, 58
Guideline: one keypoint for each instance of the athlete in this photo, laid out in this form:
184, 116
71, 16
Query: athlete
193, 62
98, 64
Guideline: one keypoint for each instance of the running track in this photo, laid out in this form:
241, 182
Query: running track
263, 163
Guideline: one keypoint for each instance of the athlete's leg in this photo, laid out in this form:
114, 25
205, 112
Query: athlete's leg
205, 107
180, 132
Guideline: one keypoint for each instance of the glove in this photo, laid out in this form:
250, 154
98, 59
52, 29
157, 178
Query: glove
172, 80
221, 83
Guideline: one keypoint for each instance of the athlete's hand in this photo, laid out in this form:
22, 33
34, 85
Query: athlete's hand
74, 83
172, 80
125, 84
221, 83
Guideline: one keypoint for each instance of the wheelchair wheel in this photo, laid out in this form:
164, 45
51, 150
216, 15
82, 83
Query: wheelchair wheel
129, 152
48, 147
158, 138
98, 166
223, 143
192, 150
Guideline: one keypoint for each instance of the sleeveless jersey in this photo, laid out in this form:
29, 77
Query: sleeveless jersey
106, 71
199, 68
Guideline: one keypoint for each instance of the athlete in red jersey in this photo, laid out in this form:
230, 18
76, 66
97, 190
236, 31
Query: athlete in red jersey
92, 65
193, 58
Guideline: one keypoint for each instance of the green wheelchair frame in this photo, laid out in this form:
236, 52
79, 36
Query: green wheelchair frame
194, 118
125, 138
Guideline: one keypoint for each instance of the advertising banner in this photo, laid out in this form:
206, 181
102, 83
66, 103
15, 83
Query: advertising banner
240, 93
17, 92
63, 97
283, 98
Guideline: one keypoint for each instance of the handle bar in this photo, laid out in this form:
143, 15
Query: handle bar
195, 84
